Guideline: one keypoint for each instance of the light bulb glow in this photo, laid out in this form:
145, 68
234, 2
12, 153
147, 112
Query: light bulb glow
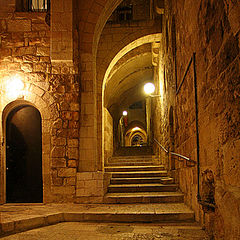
149, 88
14, 87
136, 129
125, 113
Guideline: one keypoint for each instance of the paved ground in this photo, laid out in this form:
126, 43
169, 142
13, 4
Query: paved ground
111, 231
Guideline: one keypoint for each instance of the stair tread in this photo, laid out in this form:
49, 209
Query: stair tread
139, 178
159, 171
138, 166
142, 185
143, 194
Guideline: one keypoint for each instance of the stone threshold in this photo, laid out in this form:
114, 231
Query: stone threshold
21, 217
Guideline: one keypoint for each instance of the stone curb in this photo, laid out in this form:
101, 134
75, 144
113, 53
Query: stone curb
21, 225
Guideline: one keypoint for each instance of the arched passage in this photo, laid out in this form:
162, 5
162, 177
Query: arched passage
124, 79
24, 155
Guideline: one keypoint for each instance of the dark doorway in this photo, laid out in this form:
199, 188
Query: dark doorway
24, 156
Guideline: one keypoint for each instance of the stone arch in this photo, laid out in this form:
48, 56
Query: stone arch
48, 115
93, 16
138, 42
131, 133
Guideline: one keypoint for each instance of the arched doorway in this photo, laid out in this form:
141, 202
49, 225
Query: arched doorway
24, 155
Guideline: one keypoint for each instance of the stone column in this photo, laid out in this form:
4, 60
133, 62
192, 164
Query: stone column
61, 31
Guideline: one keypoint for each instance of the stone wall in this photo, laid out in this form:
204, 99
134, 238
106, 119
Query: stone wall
211, 29
53, 89
108, 135
114, 38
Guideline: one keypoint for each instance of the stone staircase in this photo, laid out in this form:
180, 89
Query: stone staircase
138, 180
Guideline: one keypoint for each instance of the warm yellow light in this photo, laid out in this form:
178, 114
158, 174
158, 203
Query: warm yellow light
136, 129
149, 88
14, 87
125, 113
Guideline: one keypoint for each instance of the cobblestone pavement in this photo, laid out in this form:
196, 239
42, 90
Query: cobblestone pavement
111, 231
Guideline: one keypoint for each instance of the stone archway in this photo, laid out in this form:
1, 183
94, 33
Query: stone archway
23, 155
47, 118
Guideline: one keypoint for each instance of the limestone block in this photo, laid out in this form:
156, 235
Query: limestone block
57, 181
19, 25
84, 176
75, 116
21, 51
70, 181
40, 67
30, 58
58, 152
7, 227
40, 27
67, 172
27, 67
14, 66
57, 124
74, 106
72, 153
64, 106
73, 133
64, 190
38, 91
58, 141
81, 193
73, 124
29, 223
66, 115
72, 142
80, 184
97, 175
43, 51
72, 163
59, 162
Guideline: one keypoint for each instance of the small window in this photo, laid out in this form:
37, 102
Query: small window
32, 5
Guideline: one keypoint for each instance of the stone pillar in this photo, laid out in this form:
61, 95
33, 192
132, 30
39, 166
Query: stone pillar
148, 120
88, 121
61, 31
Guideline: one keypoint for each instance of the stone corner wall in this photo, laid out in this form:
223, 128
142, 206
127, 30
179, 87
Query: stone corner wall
52, 88
211, 30
91, 187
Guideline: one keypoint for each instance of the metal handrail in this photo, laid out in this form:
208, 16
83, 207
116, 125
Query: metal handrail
161, 145
173, 153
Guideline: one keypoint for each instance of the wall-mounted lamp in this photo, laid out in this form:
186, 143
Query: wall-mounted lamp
14, 87
125, 113
149, 88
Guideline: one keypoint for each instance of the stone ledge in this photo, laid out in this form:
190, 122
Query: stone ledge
33, 216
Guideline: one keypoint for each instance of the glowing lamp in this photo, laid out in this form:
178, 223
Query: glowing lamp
136, 129
149, 88
125, 113
14, 88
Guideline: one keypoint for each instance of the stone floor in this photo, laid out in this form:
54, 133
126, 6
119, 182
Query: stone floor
98, 221
111, 231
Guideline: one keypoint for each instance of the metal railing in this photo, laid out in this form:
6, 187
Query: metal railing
175, 154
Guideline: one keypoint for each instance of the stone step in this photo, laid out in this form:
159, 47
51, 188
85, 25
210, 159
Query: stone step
129, 164
17, 218
135, 180
139, 174
126, 159
167, 180
146, 187
133, 151
144, 197
133, 168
